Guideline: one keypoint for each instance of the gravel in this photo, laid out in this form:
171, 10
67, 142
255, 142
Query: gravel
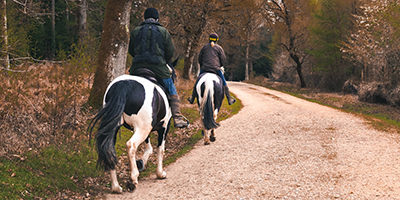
282, 147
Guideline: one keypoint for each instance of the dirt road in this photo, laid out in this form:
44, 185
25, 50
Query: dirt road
282, 147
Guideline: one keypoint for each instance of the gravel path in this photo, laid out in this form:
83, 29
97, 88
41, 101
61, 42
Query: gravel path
282, 147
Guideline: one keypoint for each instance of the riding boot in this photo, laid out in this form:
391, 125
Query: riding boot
230, 99
176, 113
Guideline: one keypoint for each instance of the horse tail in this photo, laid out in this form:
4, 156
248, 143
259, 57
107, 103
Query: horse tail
207, 107
110, 119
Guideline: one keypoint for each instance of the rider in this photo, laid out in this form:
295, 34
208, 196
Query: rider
212, 57
151, 47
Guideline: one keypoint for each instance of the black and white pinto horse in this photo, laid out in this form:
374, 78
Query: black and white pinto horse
141, 106
209, 92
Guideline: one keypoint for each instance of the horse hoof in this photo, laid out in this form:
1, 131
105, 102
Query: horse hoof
117, 190
206, 143
140, 165
162, 176
212, 139
130, 186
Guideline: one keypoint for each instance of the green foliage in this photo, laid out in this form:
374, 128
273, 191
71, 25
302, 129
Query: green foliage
95, 18
17, 32
331, 26
32, 34
262, 64
392, 15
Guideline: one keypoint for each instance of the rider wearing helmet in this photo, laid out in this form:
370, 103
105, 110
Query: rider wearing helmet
212, 57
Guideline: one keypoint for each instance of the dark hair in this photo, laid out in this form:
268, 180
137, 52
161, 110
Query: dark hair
151, 13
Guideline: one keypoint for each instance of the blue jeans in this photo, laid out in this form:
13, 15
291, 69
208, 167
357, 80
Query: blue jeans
171, 87
220, 74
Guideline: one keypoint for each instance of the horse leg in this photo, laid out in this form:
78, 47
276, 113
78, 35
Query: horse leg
206, 137
148, 150
115, 188
162, 134
212, 136
138, 137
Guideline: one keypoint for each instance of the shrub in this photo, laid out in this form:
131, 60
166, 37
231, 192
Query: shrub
41, 103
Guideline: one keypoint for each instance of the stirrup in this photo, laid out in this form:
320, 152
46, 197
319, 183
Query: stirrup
182, 125
234, 101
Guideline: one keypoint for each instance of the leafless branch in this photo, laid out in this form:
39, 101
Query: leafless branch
10, 70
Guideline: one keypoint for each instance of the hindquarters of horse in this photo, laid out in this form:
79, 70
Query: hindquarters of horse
217, 87
139, 90
139, 105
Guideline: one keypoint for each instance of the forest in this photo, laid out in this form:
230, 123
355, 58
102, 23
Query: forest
58, 56
315, 43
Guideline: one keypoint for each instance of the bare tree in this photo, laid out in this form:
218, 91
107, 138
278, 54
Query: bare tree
190, 19
245, 18
290, 16
374, 43
113, 48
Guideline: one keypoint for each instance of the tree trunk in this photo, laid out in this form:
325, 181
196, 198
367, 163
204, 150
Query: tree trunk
83, 31
300, 73
187, 62
247, 61
192, 40
299, 69
111, 61
190, 47
6, 35
53, 28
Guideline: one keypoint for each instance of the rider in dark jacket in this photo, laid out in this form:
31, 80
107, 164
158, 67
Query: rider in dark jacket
151, 47
212, 57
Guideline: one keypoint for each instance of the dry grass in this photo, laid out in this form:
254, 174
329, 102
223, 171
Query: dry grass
42, 107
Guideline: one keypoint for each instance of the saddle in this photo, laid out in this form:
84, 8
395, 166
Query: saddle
149, 75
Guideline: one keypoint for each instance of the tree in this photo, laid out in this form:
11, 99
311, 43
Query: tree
189, 20
292, 17
113, 48
82, 22
374, 43
331, 25
5, 36
245, 18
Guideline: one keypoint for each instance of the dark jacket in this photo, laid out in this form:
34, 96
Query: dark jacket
211, 57
160, 69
